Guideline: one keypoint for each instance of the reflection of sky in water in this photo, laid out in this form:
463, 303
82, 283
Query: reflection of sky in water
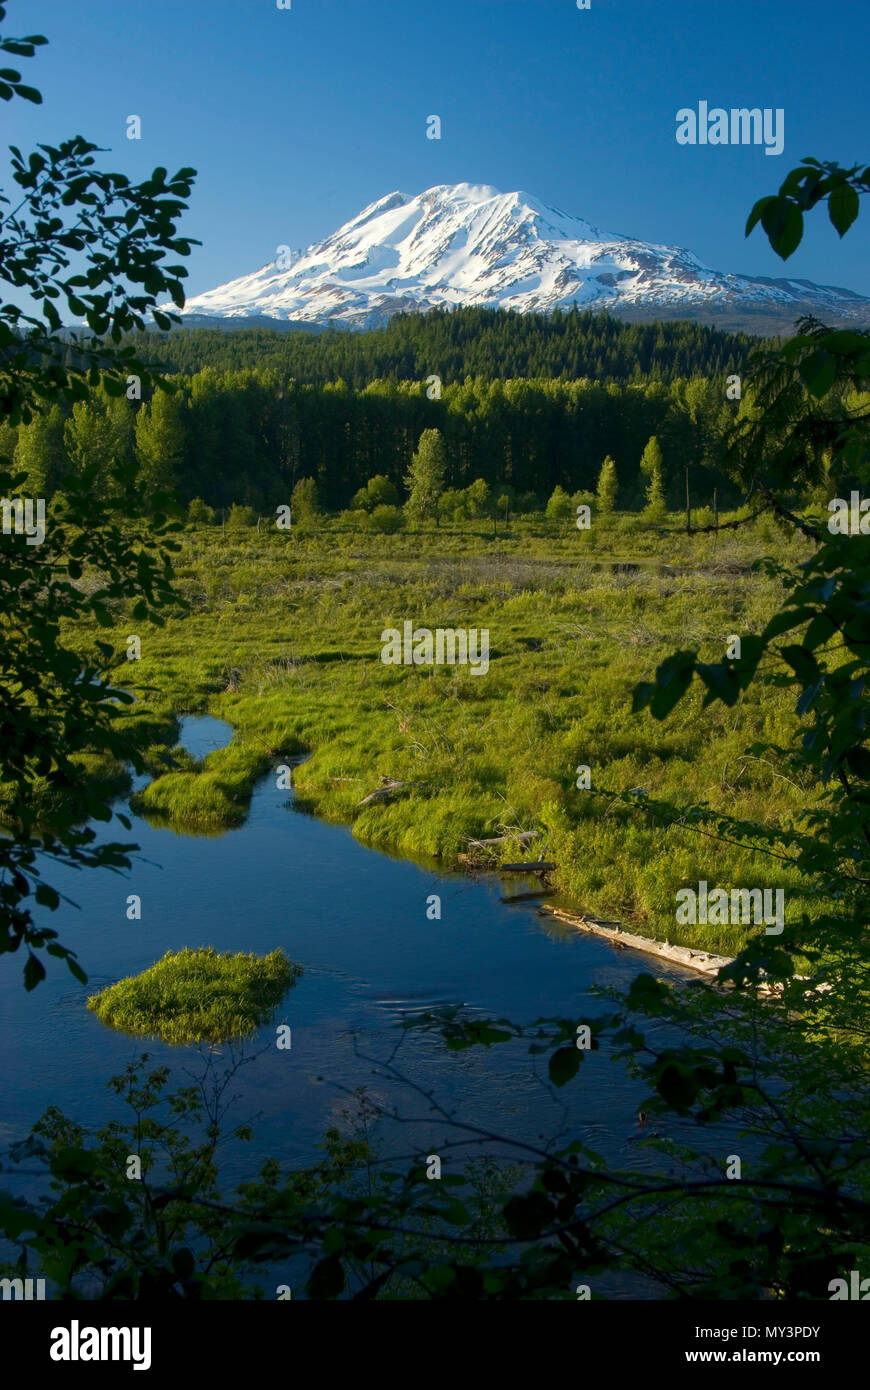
355, 920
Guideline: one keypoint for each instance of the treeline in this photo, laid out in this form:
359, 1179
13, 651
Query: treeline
250, 436
496, 344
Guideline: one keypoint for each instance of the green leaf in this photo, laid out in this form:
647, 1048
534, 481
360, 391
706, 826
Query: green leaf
74, 1163
76, 970
757, 212
820, 630
47, 896
802, 662
34, 971
721, 681
789, 237
843, 207
673, 679
564, 1065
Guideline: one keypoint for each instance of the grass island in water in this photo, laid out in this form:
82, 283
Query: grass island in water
203, 995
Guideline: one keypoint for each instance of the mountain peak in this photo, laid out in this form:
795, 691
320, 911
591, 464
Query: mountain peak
471, 244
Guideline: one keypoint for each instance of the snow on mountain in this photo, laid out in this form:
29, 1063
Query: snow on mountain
469, 244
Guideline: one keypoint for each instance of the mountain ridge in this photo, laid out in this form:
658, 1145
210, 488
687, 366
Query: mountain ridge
464, 244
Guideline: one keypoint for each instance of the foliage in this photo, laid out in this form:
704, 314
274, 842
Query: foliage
559, 506
304, 503
199, 513
426, 476
240, 518
106, 550
655, 510
487, 345
378, 492
608, 486
386, 520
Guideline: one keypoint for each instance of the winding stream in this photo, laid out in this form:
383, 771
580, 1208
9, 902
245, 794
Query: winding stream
355, 920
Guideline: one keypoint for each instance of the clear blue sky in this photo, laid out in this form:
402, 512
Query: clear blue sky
296, 119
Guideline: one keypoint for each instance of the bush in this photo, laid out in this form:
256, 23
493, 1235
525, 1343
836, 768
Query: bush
304, 502
386, 520
199, 513
559, 506
239, 517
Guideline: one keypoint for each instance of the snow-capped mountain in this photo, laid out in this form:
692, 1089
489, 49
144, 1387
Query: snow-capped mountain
469, 244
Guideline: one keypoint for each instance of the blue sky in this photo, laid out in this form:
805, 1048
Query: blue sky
296, 119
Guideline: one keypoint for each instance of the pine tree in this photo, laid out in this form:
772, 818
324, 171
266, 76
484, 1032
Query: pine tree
656, 509
426, 476
608, 486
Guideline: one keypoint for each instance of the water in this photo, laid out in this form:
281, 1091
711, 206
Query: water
355, 920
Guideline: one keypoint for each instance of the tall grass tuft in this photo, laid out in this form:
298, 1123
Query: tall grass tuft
203, 995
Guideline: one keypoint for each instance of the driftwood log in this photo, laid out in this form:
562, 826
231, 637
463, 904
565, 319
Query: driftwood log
703, 961
390, 785
504, 839
537, 866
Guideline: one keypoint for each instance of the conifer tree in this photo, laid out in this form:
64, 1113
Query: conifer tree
656, 509
608, 486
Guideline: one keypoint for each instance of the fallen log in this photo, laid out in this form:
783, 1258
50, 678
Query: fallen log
537, 866
387, 790
703, 961
504, 839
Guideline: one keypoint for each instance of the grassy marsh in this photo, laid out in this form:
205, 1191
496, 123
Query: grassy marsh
283, 642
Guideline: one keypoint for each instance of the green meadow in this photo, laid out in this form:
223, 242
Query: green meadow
283, 640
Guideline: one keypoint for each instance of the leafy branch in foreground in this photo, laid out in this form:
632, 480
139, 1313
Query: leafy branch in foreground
100, 556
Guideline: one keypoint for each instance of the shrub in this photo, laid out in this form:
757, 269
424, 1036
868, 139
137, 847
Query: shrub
559, 506
239, 517
386, 519
304, 502
199, 513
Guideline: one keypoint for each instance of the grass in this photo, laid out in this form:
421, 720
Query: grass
192, 996
283, 642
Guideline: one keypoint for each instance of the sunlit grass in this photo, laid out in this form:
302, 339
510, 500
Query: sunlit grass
192, 996
283, 642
